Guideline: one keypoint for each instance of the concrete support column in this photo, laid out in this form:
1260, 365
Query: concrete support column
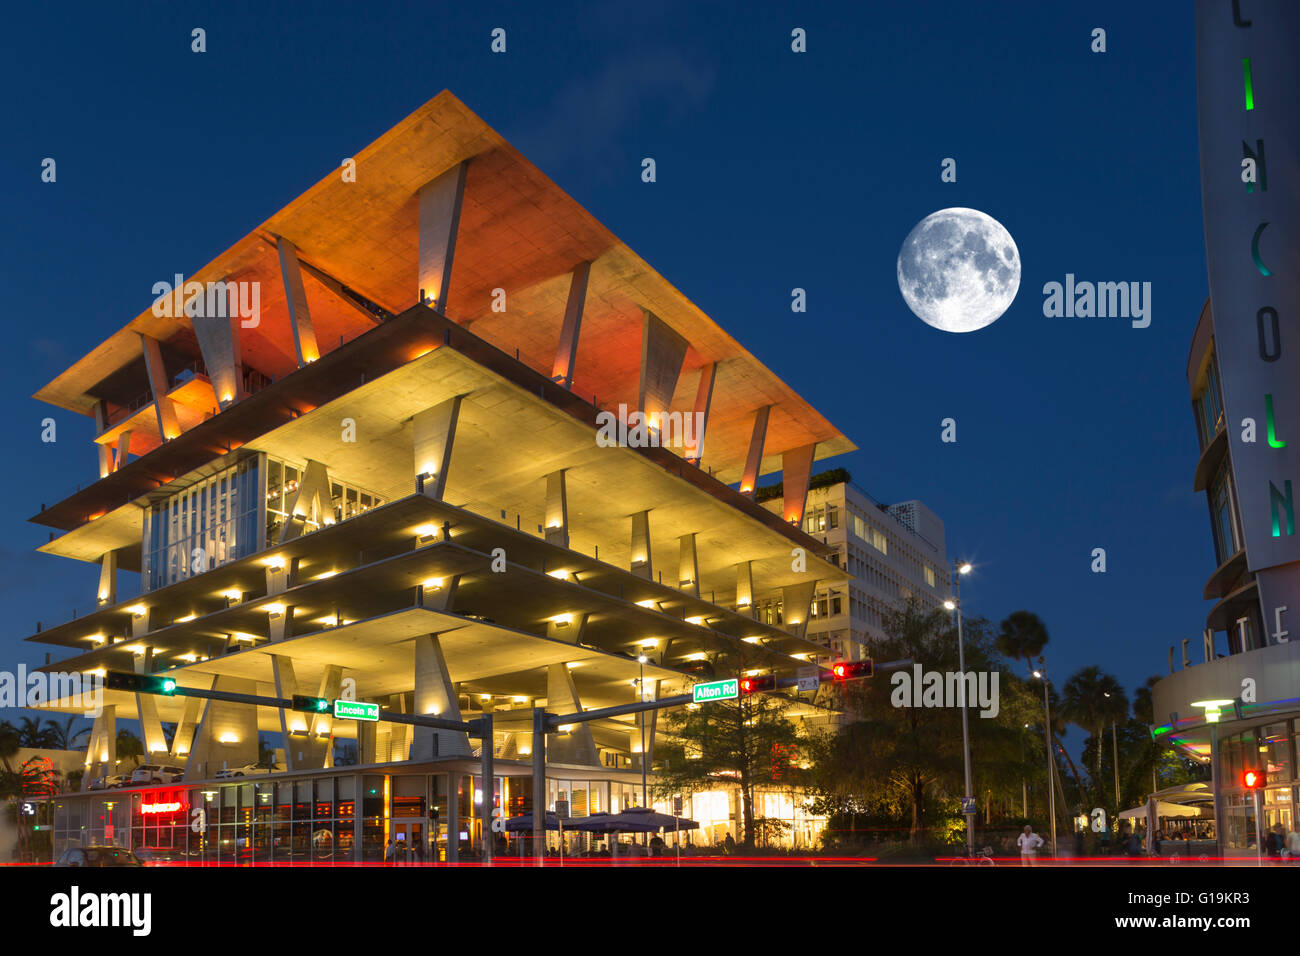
662, 353
569, 630
106, 596
576, 746
183, 738
218, 338
439, 211
101, 751
295, 294
104, 452
434, 435
754, 460
688, 565
435, 695
155, 744
227, 735
566, 354
311, 502
796, 600
796, 469
168, 426
745, 588
641, 564
694, 449
557, 510
123, 451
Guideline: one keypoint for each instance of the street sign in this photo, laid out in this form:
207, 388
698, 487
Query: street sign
716, 690
562, 809
355, 710
809, 677
967, 805
677, 805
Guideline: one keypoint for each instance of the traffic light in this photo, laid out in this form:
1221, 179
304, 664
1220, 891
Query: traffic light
752, 685
1253, 779
140, 683
851, 670
310, 705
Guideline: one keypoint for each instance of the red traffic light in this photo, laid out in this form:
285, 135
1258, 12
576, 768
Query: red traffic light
1253, 779
851, 670
751, 685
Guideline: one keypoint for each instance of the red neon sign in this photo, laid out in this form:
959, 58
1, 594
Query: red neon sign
160, 807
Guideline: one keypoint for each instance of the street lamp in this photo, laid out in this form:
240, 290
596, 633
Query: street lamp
640, 690
954, 604
1047, 736
1114, 742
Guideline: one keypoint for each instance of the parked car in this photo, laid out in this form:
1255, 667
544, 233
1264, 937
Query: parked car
163, 855
110, 782
156, 773
97, 856
248, 770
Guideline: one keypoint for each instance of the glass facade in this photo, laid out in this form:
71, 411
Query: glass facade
1223, 514
1271, 748
1209, 406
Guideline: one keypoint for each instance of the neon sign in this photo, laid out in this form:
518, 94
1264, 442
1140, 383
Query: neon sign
160, 807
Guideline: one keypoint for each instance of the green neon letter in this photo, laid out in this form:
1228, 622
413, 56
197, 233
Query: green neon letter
1268, 412
1274, 498
1250, 90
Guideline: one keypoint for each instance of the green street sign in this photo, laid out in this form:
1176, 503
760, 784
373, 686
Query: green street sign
355, 710
716, 690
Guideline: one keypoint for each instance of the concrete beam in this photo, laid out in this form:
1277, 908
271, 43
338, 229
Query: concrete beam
745, 588
796, 469
439, 210
557, 510
642, 565
566, 353
105, 452
688, 565
434, 437
568, 631
106, 595
576, 746
694, 451
123, 451
168, 426
662, 353
295, 294
753, 460
435, 695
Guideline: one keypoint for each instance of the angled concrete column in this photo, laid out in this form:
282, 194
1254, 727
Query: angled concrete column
439, 210
435, 695
311, 501
104, 452
662, 353
227, 735
141, 624
434, 435
796, 603
218, 338
398, 735
650, 721
754, 460
796, 469
123, 451
566, 354
107, 593
183, 738
295, 294
439, 596
577, 746
557, 510
101, 751
694, 449
279, 626
569, 631
281, 577
366, 743
745, 588
168, 426
641, 563
304, 746
688, 565
155, 744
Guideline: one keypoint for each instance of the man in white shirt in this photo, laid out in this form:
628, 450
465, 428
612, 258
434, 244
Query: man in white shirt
1029, 842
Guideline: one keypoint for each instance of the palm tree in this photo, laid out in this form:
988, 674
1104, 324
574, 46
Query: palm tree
10, 744
1092, 700
128, 745
1023, 636
31, 733
61, 736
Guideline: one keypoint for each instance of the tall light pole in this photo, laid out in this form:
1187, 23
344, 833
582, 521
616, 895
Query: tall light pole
958, 569
1114, 742
1047, 736
640, 690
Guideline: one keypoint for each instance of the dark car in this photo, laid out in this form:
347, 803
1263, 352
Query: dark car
98, 856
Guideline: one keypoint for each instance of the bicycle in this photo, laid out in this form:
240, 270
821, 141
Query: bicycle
982, 857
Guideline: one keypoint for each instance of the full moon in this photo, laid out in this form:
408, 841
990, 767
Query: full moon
959, 270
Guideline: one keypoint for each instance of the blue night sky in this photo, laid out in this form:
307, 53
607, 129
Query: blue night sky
775, 170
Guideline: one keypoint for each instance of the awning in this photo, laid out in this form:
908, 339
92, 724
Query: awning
1176, 810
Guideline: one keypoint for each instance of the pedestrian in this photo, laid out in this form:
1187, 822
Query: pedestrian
1078, 843
390, 851
729, 844
1029, 842
656, 845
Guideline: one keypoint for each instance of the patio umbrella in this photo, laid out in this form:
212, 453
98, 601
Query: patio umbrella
633, 820
524, 823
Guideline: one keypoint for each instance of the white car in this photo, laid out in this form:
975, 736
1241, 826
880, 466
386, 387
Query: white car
156, 773
110, 782
247, 770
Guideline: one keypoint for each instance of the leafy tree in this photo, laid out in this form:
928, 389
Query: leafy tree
1023, 636
10, 744
61, 736
1094, 700
730, 741
128, 745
